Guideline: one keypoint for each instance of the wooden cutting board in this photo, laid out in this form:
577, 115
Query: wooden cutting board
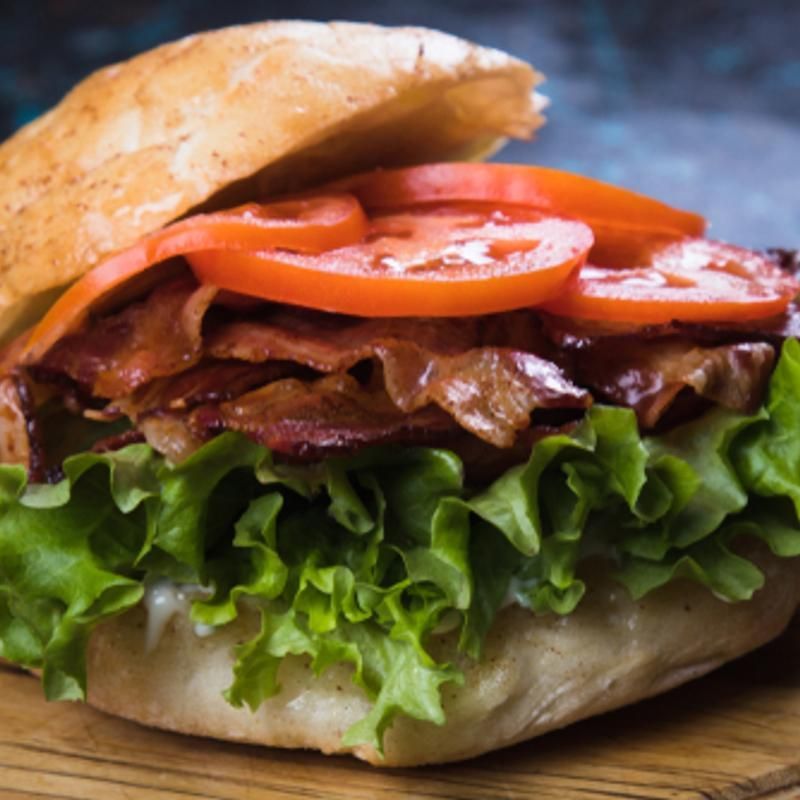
730, 736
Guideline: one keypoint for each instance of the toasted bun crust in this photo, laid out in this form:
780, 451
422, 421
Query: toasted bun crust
253, 110
537, 674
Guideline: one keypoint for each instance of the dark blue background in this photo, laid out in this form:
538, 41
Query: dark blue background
695, 102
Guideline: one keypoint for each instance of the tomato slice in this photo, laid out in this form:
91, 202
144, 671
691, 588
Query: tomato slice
695, 280
451, 240
625, 224
427, 262
309, 224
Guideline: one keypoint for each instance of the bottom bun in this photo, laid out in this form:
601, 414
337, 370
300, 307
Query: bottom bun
537, 673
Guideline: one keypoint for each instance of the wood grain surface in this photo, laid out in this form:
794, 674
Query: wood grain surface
730, 736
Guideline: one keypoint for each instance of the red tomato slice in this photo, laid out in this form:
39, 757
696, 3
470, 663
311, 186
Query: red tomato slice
695, 280
309, 225
625, 224
434, 262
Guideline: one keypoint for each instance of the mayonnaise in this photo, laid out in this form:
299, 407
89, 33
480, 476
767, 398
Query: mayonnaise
163, 599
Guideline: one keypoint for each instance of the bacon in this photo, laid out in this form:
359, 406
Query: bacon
332, 342
649, 376
578, 334
302, 421
118, 441
331, 415
157, 337
153, 357
489, 391
312, 422
334, 415
208, 382
184, 366
772, 329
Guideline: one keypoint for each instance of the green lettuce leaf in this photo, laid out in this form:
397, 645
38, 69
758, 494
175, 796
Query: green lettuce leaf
360, 560
767, 455
62, 568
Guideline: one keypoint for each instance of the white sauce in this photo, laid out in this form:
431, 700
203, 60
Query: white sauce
201, 630
163, 599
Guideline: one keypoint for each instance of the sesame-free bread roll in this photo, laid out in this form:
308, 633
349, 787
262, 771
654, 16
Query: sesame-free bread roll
230, 115
537, 673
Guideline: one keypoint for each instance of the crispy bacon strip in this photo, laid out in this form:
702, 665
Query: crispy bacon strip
649, 376
576, 334
178, 434
333, 415
489, 391
145, 358
208, 382
150, 339
332, 342
183, 369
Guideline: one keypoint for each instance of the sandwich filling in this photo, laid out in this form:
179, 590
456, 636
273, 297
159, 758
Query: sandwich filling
380, 413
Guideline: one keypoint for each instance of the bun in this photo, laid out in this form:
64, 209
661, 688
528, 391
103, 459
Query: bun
538, 673
236, 114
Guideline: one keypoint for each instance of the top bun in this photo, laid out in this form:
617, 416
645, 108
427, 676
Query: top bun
238, 113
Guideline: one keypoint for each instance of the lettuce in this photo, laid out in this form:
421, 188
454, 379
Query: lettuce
358, 560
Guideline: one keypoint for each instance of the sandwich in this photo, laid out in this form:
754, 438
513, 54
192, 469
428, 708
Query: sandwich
317, 432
